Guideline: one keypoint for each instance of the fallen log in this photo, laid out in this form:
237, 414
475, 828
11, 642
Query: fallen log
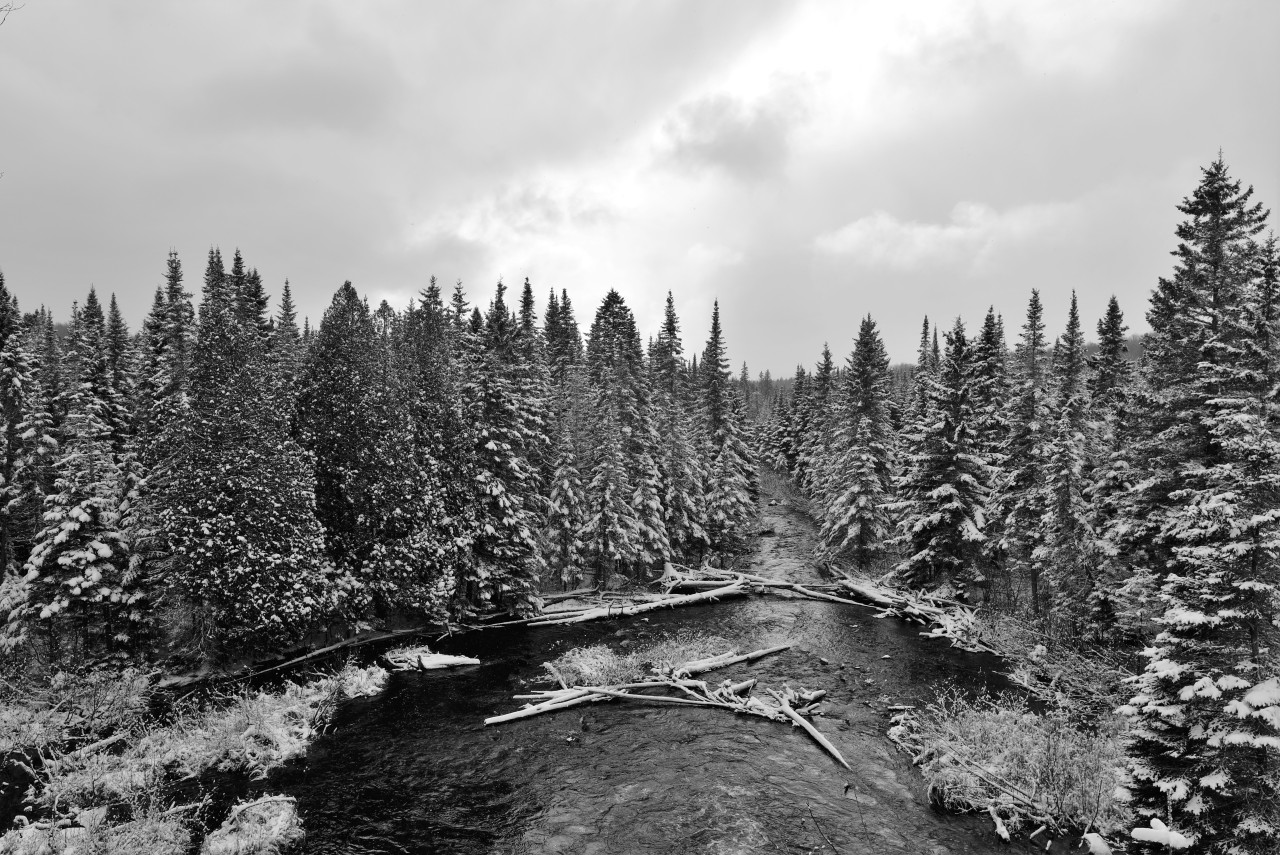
703, 665
664, 699
812, 731
422, 659
733, 590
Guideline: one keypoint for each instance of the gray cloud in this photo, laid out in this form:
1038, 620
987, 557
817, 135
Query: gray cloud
747, 140
566, 140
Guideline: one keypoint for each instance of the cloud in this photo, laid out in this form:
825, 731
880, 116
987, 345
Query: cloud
747, 139
707, 257
974, 234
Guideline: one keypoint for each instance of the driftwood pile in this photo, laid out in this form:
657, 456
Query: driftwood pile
788, 705
944, 618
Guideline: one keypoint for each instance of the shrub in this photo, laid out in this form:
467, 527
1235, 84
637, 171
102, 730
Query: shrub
599, 666
997, 753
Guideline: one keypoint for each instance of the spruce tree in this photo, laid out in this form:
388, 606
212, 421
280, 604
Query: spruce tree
566, 500
16, 383
945, 487
609, 534
730, 506
1066, 542
855, 517
683, 471
616, 368
75, 564
1205, 752
286, 343
507, 562
1018, 501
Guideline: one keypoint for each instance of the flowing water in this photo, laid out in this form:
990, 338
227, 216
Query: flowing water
414, 770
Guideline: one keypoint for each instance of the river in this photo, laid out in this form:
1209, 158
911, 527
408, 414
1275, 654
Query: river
414, 770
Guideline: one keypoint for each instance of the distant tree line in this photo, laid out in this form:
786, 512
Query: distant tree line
1109, 499
223, 482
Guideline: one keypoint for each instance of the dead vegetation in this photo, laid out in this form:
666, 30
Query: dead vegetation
1026, 769
130, 775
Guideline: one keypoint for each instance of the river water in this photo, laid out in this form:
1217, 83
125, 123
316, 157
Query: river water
414, 769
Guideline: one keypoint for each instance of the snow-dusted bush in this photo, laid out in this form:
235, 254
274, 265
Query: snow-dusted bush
251, 733
265, 826
80, 706
154, 834
976, 755
597, 665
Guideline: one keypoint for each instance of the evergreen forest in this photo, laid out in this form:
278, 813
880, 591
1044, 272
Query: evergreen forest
223, 484
1125, 501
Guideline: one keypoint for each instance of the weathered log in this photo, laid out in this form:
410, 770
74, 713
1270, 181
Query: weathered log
813, 731
735, 589
422, 659
704, 665
662, 699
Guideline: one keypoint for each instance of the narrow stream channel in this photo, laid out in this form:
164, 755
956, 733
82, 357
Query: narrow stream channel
414, 770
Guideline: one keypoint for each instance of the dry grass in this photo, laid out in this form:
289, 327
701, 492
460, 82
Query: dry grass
266, 826
154, 834
598, 665
1029, 767
250, 733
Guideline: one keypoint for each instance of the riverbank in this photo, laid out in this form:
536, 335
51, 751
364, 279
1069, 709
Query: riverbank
105, 774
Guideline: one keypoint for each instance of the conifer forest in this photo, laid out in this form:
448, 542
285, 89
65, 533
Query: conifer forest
223, 487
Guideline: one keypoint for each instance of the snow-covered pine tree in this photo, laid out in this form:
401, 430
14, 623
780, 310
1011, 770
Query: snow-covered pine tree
1205, 748
38, 432
286, 344
73, 571
16, 382
818, 424
564, 341
232, 498
797, 421
1018, 500
507, 562
609, 534
944, 489
1111, 424
567, 499
533, 378
730, 506
616, 366
683, 472
855, 518
991, 427
917, 417
1066, 542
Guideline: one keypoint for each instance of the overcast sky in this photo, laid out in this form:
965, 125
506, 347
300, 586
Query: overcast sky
804, 162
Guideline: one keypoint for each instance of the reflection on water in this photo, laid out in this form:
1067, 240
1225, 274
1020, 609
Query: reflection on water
415, 770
